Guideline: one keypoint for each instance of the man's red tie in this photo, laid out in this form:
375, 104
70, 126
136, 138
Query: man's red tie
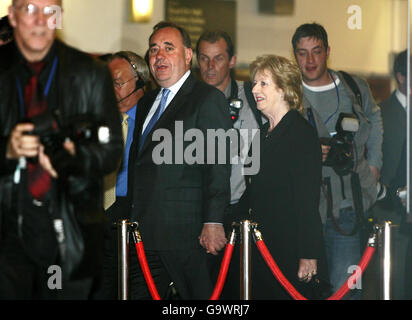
35, 102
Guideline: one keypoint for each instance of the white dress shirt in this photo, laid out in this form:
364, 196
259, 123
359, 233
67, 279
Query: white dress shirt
174, 89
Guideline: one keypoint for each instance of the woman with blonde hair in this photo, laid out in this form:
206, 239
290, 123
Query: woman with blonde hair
283, 197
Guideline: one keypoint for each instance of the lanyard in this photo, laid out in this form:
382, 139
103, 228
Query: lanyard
46, 89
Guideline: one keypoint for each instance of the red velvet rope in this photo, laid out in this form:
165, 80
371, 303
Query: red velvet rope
366, 258
152, 286
363, 264
223, 272
146, 271
276, 271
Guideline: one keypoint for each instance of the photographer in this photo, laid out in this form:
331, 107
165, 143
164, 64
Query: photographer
59, 136
342, 109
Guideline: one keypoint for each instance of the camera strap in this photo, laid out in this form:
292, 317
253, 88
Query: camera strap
353, 86
329, 201
234, 90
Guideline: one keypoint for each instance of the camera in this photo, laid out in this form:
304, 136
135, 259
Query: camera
341, 154
234, 108
6, 30
53, 132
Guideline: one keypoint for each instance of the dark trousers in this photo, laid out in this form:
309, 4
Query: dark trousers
22, 278
108, 289
231, 289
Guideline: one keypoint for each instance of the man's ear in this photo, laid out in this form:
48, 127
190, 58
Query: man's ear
401, 79
232, 62
188, 55
12, 17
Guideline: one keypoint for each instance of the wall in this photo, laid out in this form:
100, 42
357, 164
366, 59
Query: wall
4, 4
364, 51
93, 25
101, 26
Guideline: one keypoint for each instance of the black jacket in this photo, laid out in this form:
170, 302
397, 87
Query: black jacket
81, 85
172, 201
283, 198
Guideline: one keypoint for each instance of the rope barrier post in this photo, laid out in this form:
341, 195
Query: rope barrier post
123, 259
245, 260
385, 246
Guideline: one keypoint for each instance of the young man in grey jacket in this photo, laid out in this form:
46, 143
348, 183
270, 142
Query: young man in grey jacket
346, 194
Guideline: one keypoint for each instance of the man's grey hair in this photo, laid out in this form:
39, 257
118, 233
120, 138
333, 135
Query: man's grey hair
137, 64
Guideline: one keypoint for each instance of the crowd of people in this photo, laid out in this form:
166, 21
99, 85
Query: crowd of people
87, 141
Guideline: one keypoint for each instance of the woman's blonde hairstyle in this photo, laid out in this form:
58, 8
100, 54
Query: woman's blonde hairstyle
286, 75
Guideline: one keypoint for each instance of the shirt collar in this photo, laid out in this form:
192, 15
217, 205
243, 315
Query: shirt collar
132, 112
228, 90
176, 87
401, 98
47, 59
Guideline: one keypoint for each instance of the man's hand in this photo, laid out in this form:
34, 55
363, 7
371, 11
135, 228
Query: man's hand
212, 238
325, 151
21, 144
45, 162
375, 172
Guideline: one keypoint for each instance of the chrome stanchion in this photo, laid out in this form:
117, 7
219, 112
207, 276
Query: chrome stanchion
245, 259
385, 246
123, 259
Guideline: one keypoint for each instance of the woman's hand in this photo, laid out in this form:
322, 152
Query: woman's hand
307, 269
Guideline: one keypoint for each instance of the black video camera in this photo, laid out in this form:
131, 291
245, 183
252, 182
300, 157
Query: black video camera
78, 128
341, 154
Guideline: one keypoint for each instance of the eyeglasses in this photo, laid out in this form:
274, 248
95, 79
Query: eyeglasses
32, 10
119, 85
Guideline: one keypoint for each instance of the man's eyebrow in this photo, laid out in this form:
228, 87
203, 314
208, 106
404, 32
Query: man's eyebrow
304, 49
169, 43
166, 43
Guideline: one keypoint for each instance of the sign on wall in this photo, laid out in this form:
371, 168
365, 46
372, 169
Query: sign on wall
201, 15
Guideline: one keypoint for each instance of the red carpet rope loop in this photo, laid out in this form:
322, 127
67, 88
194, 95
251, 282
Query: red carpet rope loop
149, 279
343, 290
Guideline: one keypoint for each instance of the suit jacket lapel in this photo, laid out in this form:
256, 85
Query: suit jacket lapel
169, 115
145, 104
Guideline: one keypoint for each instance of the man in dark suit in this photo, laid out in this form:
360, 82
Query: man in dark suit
130, 75
393, 173
393, 112
179, 205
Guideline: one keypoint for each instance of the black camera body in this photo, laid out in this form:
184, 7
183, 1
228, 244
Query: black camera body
341, 154
53, 133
